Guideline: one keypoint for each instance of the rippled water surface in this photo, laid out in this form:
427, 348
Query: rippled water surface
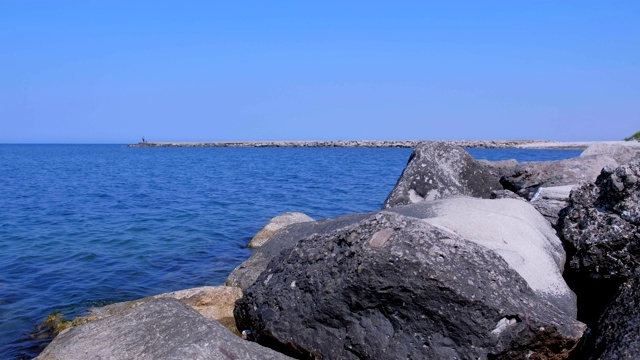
87, 225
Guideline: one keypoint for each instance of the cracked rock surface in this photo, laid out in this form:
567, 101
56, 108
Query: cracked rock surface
397, 287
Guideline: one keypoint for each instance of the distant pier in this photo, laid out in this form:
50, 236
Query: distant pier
353, 144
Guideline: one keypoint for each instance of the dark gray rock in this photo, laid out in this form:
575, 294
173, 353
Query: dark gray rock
284, 239
601, 224
438, 170
602, 238
618, 334
528, 177
397, 287
158, 329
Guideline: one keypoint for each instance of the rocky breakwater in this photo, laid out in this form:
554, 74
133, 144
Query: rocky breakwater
444, 276
441, 272
345, 143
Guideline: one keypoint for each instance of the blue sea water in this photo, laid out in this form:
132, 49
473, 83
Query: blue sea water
88, 225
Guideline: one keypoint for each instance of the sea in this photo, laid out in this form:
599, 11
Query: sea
88, 225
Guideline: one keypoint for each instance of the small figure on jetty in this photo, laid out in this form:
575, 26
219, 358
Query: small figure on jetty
143, 140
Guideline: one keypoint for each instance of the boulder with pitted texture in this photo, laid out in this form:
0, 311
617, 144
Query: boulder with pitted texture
247, 272
397, 287
602, 224
439, 170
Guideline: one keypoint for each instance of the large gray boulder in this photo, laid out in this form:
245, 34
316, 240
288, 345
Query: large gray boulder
212, 302
284, 239
601, 225
621, 151
438, 170
158, 329
275, 224
399, 287
618, 335
512, 229
528, 177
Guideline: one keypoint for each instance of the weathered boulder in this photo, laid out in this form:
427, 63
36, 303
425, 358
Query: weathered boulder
438, 170
158, 329
275, 224
213, 302
550, 201
622, 152
618, 335
528, 177
398, 287
601, 225
514, 230
247, 272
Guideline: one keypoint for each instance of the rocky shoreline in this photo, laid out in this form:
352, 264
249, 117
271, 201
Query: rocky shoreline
467, 260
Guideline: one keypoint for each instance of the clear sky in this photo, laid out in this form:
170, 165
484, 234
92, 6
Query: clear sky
114, 71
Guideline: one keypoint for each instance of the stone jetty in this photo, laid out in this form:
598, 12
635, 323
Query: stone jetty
351, 144
466, 260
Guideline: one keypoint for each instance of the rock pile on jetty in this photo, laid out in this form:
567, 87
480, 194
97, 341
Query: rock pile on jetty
345, 143
466, 260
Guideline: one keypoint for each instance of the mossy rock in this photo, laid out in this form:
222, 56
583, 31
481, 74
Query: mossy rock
213, 302
55, 323
635, 137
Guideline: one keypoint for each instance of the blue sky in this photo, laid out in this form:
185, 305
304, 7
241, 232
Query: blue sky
114, 71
